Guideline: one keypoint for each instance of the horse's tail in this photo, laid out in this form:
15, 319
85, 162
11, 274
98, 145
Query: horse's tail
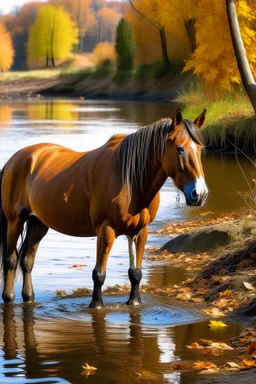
3, 225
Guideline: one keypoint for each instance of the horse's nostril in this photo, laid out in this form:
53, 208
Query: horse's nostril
194, 195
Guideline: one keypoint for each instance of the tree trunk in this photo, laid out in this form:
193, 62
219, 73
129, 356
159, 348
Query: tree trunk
164, 45
52, 46
47, 60
242, 61
191, 33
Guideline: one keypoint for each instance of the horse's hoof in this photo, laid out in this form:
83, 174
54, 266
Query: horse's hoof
8, 297
96, 304
28, 298
133, 302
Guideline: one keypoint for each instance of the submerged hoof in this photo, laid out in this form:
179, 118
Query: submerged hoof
8, 297
96, 304
134, 302
28, 298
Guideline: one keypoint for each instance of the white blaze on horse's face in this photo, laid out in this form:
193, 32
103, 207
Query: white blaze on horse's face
196, 191
185, 144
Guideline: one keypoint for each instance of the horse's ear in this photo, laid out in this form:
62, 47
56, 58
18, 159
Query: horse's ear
200, 119
177, 117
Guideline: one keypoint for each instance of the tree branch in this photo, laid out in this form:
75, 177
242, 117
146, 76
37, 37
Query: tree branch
144, 17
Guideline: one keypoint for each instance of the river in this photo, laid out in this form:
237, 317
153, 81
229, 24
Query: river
50, 341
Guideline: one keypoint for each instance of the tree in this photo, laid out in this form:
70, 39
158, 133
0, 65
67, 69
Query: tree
51, 37
241, 57
125, 46
18, 25
214, 60
81, 13
7, 51
152, 11
108, 20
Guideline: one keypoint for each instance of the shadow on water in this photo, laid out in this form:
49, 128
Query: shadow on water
122, 343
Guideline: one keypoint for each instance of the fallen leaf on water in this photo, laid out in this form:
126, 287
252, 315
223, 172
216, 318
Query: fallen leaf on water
77, 266
181, 365
147, 375
204, 365
248, 286
246, 363
88, 369
209, 371
217, 324
214, 312
205, 344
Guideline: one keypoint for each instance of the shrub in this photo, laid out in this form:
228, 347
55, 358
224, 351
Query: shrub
104, 53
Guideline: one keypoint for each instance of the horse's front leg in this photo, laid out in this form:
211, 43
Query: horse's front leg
136, 251
105, 239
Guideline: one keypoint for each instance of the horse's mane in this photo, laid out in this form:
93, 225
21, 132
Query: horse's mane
133, 151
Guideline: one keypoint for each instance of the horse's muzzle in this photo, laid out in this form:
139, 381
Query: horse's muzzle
195, 197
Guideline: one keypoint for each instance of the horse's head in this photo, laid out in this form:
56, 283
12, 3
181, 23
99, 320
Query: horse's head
182, 158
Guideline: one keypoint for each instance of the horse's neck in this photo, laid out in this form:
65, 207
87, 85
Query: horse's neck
154, 179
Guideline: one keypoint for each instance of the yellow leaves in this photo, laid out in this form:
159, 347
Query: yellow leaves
42, 47
205, 367
217, 324
88, 370
214, 60
246, 363
102, 52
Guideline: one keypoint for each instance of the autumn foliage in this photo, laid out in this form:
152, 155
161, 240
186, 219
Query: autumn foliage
51, 37
214, 60
104, 52
7, 52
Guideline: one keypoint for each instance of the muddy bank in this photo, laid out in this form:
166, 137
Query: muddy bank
96, 86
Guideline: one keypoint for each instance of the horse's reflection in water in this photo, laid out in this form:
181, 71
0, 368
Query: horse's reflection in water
58, 348
13, 335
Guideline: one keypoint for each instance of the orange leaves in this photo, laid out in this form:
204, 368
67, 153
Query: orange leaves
209, 344
7, 51
77, 266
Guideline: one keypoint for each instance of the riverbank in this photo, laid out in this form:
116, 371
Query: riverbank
230, 121
91, 84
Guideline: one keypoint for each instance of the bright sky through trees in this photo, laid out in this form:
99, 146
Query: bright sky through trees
7, 6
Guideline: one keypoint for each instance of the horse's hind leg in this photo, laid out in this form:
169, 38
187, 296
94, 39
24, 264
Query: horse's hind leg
136, 252
105, 239
35, 232
10, 259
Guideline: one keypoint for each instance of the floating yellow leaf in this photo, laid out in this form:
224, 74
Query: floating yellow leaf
217, 324
88, 369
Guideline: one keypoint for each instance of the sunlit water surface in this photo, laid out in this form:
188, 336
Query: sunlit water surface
50, 341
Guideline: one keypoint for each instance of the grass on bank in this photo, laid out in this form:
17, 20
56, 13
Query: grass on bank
230, 119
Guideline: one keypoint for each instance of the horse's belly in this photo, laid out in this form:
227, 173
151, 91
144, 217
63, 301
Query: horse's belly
73, 225
64, 215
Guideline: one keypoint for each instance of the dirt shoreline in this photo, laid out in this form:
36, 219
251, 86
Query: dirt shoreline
93, 86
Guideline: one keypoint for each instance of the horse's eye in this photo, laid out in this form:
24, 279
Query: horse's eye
180, 150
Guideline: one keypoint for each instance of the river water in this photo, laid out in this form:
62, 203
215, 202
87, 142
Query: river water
50, 341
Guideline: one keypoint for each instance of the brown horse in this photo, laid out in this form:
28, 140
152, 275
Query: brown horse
107, 192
